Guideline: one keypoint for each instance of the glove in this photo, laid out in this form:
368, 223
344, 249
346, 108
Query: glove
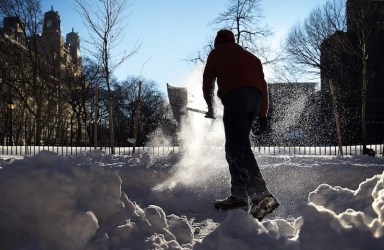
210, 113
263, 125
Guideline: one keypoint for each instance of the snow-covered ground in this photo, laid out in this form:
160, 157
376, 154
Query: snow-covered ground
100, 201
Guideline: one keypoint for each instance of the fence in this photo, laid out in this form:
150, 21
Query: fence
20, 139
166, 150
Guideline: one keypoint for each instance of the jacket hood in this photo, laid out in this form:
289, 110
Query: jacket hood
224, 36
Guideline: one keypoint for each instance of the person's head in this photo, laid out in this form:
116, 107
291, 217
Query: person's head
224, 36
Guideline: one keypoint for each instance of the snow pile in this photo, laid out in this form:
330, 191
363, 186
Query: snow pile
52, 203
91, 201
351, 219
241, 231
334, 218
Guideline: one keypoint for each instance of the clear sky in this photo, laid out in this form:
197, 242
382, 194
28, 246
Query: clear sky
173, 30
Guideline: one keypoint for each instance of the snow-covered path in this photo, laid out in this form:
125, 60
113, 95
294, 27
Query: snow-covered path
290, 178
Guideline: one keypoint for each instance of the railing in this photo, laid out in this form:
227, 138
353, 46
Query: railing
317, 150
20, 138
166, 150
66, 151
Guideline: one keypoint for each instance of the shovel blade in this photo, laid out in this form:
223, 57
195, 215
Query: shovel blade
178, 99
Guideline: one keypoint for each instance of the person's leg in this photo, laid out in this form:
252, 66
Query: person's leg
232, 114
237, 184
238, 197
240, 109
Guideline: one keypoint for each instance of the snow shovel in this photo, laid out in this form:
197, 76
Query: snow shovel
178, 99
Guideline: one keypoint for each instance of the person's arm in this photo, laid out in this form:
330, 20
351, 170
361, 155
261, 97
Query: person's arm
265, 102
265, 94
209, 77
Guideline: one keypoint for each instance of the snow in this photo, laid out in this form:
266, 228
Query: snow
101, 201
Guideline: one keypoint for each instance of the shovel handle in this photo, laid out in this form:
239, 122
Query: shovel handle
197, 110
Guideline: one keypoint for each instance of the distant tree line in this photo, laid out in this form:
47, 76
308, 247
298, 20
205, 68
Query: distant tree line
154, 110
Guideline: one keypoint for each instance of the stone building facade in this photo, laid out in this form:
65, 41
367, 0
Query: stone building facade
41, 73
50, 43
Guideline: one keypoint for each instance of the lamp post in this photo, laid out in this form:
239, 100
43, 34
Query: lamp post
11, 105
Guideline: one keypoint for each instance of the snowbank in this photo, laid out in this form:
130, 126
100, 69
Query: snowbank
81, 202
335, 218
49, 202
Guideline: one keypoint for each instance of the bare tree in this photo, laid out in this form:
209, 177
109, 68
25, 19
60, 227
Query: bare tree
304, 41
344, 46
244, 18
304, 57
106, 20
363, 42
152, 111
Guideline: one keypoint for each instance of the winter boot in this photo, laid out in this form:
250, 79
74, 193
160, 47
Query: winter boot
232, 202
263, 204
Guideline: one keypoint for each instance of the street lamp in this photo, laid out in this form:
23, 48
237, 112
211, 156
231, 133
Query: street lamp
11, 105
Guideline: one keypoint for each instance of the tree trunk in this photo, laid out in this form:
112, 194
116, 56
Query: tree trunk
39, 125
364, 105
96, 116
336, 114
137, 117
110, 108
110, 111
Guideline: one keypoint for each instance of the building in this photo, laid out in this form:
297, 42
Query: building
52, 45
40, 73
50, 42
342, 61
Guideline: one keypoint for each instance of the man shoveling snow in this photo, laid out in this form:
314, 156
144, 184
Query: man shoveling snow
244, 94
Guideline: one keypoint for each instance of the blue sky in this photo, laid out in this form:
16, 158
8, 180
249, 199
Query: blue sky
173, 30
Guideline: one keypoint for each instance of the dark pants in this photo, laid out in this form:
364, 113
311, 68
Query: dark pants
241, 108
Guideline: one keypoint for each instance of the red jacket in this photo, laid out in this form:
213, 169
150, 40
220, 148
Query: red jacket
234, 68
